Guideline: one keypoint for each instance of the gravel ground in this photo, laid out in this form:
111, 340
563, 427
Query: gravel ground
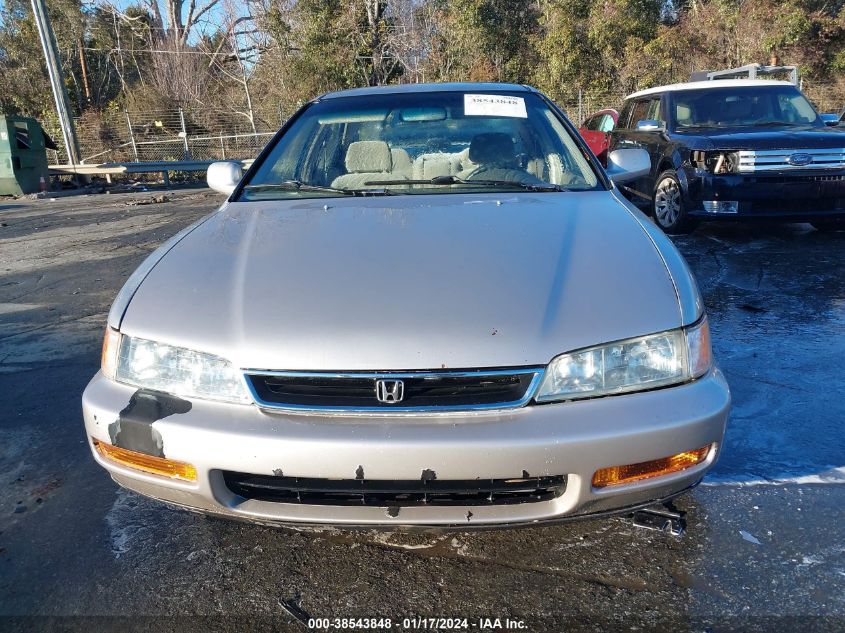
764, 543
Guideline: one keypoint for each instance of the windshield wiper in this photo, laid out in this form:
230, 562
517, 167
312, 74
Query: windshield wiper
776, 124
698, 126
452, 180
297, 185
736, 125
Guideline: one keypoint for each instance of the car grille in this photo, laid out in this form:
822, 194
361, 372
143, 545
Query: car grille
779, 159
423, 492
409, 391
820, 205
779, 178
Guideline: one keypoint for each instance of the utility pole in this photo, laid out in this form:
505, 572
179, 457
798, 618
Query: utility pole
84, 66
51, 55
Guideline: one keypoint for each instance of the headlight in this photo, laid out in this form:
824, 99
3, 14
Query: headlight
174, 370
716, 162
635, 364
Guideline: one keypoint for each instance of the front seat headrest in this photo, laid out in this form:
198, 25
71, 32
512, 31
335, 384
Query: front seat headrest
492, 148
368, 157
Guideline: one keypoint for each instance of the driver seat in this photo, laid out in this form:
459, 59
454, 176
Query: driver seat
493, 149
492, 156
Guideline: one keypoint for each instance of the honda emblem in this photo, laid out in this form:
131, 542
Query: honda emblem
390, 391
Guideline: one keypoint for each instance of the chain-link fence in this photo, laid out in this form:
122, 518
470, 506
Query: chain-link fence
165, 135
579, 104
177, 134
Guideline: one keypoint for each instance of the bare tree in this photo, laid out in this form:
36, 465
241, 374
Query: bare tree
178, 74
176, 68
375, 55
240, 44
409, 38
171, 21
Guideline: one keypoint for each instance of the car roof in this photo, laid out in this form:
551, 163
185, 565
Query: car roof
715, 83
430, 87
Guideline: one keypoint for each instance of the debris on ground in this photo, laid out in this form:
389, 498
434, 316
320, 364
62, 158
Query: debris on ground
293, 608
66, 193
154, 200
749, 537
133, 187
663, 518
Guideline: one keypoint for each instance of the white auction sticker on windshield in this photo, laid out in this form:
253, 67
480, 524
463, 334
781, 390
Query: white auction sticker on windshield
495, 105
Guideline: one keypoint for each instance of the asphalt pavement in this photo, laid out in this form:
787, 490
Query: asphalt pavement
764, 547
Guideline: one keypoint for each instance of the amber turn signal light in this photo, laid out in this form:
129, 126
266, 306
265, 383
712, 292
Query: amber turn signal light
147, 463
616, 475
111, 344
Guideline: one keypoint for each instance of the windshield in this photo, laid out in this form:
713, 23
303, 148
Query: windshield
743, 106
441, 142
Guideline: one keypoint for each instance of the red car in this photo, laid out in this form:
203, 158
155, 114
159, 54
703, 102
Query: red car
596, 130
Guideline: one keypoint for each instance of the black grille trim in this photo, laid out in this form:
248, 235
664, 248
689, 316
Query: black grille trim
422, 391
790, 205
783, 178
394, 493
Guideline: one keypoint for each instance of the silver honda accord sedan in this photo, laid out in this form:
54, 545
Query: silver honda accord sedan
422, 305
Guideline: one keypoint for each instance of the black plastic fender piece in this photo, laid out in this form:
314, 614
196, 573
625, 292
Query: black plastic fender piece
663, 518
134, 431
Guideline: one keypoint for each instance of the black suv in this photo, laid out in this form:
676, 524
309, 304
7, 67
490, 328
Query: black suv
734, 149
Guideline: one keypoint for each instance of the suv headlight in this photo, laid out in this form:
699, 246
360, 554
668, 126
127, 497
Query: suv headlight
715, 162
175, 370
635, 364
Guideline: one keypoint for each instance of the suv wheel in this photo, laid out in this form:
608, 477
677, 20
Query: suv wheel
668, 205
829, 226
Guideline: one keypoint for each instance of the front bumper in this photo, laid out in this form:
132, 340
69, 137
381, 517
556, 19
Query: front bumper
803, 196
573, 439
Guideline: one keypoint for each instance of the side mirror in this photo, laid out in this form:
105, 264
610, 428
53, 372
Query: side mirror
830, 119
625, 165
224, 176
650, 125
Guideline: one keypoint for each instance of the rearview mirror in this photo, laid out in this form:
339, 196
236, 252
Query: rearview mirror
224, 176
422, 114
650, 125
625, 165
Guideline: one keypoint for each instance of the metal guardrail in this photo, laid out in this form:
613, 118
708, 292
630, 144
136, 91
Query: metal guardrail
148, 167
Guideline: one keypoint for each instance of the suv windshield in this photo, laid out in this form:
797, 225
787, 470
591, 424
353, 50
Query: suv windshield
742, 106
437, 142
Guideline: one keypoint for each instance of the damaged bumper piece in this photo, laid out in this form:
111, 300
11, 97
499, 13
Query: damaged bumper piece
521, 466
812, 195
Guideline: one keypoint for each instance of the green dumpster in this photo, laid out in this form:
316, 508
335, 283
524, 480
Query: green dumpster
23, 156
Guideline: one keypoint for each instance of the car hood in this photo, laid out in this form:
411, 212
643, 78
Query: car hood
785, 137
408, 282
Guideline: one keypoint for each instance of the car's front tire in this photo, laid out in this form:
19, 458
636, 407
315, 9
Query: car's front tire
829, 226
668, 205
